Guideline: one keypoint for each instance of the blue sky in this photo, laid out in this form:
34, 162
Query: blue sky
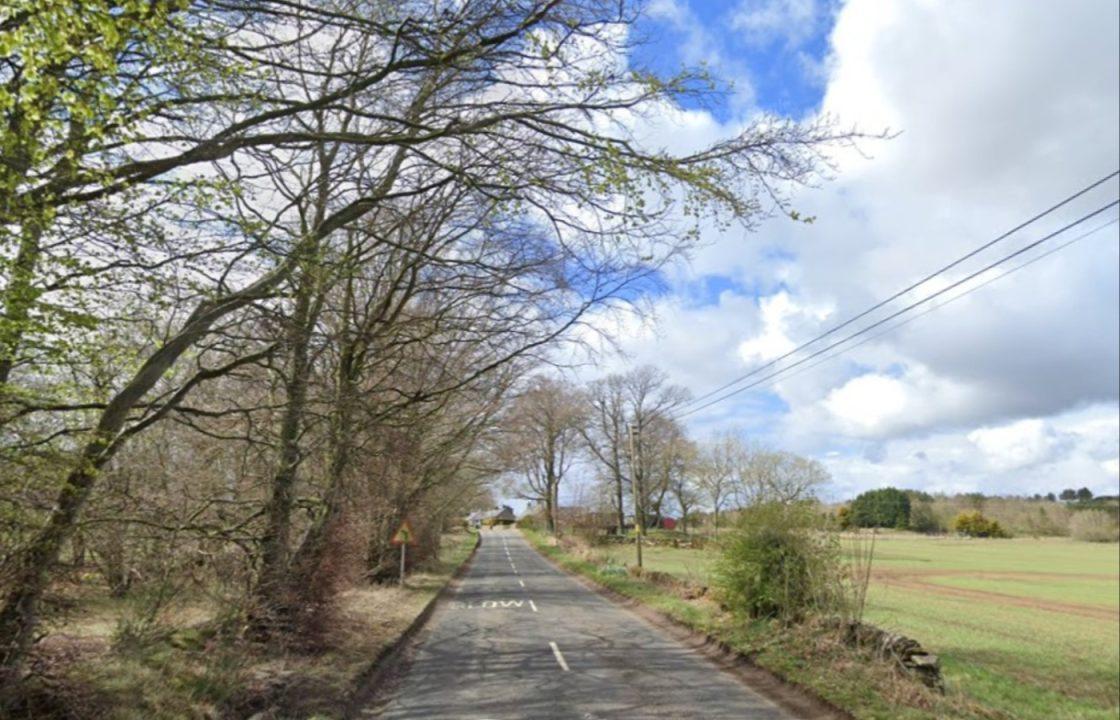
1003, 107
777, 49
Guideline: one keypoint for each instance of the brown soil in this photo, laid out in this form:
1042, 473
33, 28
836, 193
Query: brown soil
914, 580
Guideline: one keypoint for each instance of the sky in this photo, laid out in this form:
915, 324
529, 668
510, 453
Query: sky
999, 109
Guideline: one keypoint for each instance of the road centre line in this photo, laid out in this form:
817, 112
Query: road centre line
533, 605
559, 657
521, 583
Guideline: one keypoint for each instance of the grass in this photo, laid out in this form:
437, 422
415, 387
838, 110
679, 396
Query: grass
1025, 628
185, 670
812, 657
1035, 634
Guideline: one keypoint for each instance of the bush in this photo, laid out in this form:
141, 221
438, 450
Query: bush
779, 561
531, 522
1094, 526
974, 524
844, 517
885, 508
924, 520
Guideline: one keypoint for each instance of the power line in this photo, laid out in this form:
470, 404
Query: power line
951, 300
910, 287
897, 313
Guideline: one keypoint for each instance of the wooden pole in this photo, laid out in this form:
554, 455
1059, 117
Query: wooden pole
404, 545
637, 498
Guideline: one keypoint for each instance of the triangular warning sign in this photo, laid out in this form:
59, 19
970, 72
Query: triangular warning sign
403, 535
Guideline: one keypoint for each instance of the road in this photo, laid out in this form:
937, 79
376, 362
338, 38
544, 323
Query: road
520, 639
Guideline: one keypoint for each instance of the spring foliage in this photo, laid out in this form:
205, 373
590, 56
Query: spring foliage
779, 561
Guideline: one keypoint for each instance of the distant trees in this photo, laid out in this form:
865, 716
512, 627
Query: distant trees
1081, 495
717, 472
885, 508
974, 524
542, 435
778, 476
634, 441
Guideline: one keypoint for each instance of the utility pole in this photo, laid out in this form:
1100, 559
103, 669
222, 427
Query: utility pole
634, 465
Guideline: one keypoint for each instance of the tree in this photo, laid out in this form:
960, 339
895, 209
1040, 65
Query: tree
640, 402
1084, 494
362, 107
684, 485
1068, 494
886, 507
779, 476
605, 436
544, 430
716, 468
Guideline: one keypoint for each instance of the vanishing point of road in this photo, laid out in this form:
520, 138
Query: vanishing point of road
520, 639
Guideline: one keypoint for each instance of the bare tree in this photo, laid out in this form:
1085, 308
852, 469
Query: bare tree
779, 476
639, 402
683, 482
261, 136
717, 466
542, 439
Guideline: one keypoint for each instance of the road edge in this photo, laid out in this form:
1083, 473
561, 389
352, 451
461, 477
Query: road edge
789, 696
375, 684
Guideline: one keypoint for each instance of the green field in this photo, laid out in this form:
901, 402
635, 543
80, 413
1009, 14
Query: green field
1028, 628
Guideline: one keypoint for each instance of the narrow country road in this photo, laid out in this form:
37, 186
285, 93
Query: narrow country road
522, 640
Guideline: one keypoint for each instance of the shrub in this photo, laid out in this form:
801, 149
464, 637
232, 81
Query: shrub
923, 519
886, 508
974, 524
531, 522
779, 561
1094, 526
844, 517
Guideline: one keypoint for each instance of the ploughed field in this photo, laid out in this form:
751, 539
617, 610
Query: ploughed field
1028, 628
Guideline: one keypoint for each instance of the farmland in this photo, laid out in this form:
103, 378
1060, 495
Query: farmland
1027, 628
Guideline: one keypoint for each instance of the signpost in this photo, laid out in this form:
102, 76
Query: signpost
402, 537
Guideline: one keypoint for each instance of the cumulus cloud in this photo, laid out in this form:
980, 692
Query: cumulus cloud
1002, 108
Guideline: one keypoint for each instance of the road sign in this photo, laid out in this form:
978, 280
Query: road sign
403, 535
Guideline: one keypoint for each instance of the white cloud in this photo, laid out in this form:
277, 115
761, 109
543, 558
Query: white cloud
1003, 108
791, 21
1016, 445
779, 314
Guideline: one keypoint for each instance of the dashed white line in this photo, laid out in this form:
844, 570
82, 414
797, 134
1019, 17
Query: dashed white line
533, 605
559, 657
521, 583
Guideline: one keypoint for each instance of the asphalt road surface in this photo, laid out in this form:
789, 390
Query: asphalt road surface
521, 639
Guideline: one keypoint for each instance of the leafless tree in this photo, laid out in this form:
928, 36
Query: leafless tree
285, 153
542, 440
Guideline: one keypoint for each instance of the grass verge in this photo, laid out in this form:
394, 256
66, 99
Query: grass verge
811, 656
1027, 628
190, 669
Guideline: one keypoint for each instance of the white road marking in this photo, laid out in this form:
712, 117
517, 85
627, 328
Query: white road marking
521, 583
487, 604
559, 657
533, 605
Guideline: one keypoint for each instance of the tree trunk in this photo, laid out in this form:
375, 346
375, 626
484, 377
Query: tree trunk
619, 501
34, 563
19, 298
276, 541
